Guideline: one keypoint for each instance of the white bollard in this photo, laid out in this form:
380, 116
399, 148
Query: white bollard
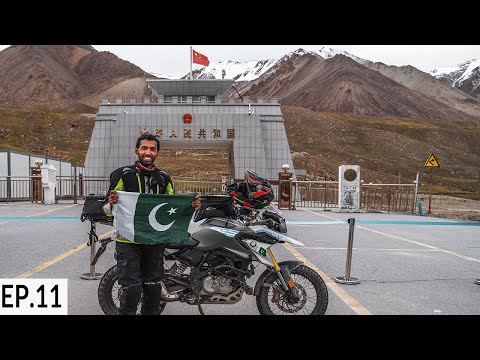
49, 182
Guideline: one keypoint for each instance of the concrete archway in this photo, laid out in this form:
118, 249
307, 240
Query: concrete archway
190, 114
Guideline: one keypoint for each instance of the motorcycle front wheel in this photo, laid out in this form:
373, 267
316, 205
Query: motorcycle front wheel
312, 294
109, 292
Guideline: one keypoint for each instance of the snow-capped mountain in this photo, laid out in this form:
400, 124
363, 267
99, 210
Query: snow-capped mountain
465, 76
251, 70
239, 71
469, 82
451, 74
324, 52
161, 76
327, 53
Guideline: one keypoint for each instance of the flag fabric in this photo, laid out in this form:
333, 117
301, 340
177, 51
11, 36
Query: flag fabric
153, 219
200, 59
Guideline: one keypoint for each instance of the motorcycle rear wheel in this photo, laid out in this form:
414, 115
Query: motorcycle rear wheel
313, 294
109, 292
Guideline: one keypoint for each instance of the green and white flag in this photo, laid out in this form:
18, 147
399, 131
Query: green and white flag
153, 219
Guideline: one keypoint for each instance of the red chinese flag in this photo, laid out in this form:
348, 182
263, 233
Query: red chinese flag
200, 59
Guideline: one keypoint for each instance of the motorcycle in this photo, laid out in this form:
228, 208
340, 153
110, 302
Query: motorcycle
213, 266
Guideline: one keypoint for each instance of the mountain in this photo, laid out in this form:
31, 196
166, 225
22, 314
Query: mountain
450, 74
469, 82
465, 76
160, 76
239, 71
340, 84
49, 95
251, 70
338, 109
428, 85
59, 74
408, 76
328, 53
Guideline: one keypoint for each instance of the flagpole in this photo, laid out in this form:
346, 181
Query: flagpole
191, 59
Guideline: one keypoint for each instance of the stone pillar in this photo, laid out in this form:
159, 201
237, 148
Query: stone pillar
49, 183
284, 189
349, 187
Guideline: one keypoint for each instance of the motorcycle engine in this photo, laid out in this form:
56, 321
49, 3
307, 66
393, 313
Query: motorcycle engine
216, 285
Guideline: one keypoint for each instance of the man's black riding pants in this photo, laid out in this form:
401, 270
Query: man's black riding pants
139, 269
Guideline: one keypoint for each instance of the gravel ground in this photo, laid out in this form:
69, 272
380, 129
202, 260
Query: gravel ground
452, 207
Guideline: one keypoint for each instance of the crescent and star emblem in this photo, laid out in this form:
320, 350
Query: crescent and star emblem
153, 221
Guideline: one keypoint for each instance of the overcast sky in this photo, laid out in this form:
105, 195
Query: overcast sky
173, 60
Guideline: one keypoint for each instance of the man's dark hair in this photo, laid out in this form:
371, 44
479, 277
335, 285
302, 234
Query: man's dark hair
149, 137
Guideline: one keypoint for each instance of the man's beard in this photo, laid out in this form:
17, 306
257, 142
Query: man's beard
146, 164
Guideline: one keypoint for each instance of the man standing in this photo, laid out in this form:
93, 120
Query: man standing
140, 266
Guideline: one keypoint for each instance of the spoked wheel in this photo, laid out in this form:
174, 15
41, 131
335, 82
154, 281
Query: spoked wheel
310, 294
109, 293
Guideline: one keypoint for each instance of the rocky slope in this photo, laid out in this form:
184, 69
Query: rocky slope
340, 84
430, 86
53, 75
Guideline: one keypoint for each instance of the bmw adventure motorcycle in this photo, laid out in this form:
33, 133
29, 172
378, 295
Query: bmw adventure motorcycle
213, 266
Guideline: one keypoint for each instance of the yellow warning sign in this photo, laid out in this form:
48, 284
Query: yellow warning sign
432, 161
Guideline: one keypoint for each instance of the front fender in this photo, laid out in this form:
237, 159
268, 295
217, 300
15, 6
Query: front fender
287, 265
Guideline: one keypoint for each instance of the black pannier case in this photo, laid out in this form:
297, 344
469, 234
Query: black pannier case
92, 209
215, 206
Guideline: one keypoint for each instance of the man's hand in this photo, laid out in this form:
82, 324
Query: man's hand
112, 198
196, 203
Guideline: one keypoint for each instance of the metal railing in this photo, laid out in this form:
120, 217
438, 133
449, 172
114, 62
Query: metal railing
315, 194
199, 187
92, 185
23, 188
18, 188
324, 194
389, 197
29, 188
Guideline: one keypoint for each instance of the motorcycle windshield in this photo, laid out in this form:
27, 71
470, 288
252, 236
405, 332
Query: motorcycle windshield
271, 207
277, 236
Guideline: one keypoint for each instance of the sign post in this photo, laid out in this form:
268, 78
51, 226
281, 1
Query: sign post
431, 163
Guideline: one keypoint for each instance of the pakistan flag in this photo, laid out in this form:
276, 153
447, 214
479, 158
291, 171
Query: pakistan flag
153, 219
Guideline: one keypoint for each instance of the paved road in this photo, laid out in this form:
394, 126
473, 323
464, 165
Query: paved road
404, 267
